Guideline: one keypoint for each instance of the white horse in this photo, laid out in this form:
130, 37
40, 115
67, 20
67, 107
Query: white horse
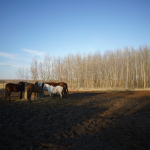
53, 89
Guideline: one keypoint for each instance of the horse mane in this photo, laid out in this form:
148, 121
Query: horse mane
36, 82
22, 82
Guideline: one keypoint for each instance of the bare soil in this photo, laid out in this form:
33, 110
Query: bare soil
85, 120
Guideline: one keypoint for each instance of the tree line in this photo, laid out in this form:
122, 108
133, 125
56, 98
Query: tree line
127, 68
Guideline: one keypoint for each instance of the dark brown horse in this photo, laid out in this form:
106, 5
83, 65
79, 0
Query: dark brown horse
63, 84
51, 83
32, 88
11, 87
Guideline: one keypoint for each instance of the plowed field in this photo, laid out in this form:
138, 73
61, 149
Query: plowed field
85, 120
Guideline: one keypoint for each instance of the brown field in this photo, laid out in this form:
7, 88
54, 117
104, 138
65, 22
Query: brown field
85, 120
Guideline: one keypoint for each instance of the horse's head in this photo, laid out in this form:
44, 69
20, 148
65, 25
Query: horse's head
36, 83
44, 86
40, 84
23, 84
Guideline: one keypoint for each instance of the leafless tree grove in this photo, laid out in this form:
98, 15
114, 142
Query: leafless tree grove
127, 68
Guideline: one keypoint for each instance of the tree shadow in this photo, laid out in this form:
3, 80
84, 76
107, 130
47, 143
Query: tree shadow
79, 122
85, 94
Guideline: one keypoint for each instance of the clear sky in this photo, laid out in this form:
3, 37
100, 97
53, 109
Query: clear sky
33, 28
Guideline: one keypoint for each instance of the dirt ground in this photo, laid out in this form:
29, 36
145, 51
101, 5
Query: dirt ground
102, 120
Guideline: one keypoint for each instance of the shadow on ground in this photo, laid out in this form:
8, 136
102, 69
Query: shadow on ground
84, 120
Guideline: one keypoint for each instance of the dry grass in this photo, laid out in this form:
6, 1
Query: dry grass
84, 120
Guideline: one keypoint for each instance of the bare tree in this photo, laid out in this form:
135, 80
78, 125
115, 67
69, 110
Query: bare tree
41, 71
47, 66
34, 69
20, 73
27, 73
126, 68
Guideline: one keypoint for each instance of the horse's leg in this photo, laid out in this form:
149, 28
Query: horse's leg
30, 97
9, 96
29, 93
37, 94
60, 92
34, 95
49, 92
20, 94
60, 95
64, 91
52, 95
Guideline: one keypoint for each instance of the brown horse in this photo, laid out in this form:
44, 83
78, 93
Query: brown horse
51, 83
65, 87
63, 84
11, 87
32, 88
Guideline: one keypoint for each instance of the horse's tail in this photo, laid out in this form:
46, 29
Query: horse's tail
6, 92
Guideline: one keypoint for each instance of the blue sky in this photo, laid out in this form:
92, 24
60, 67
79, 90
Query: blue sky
33, 28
